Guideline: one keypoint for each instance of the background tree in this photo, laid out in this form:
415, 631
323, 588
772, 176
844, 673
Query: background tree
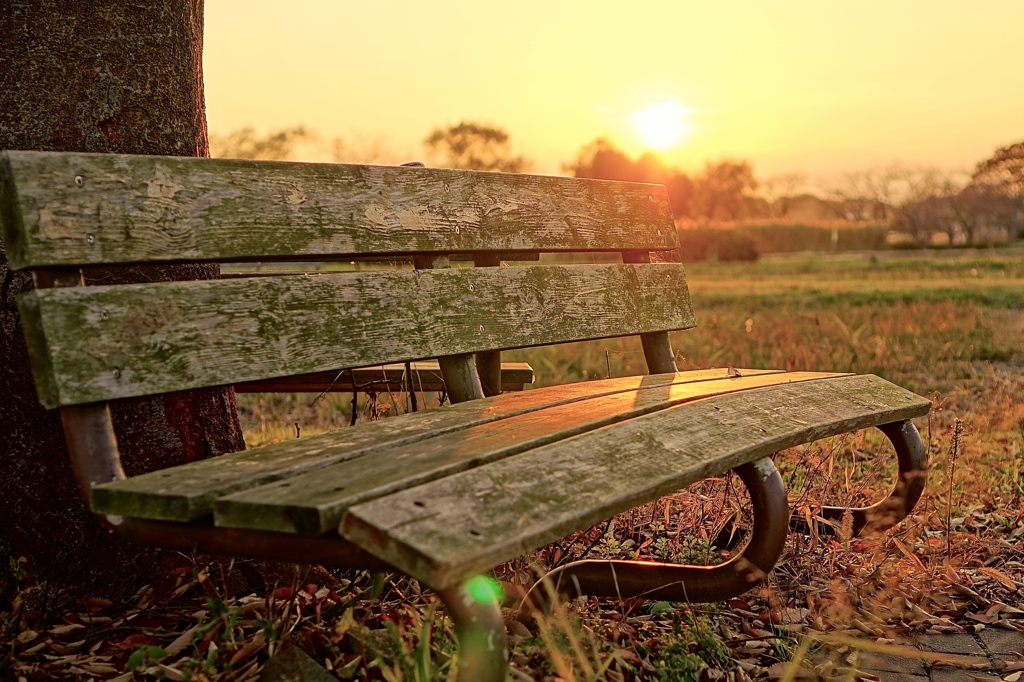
602, 160
474, 146
778, 192
115, 76
862, 196
1003, 175
920, 204
361, 149
916, 201
978, 211
721, 190
244, 143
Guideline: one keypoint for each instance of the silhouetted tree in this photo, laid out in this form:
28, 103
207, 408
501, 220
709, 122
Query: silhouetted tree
978, 211
865, 195
602, 160
246, 144
1004, 173
474, 146
719, 193
365, 150
920, 203
779, 191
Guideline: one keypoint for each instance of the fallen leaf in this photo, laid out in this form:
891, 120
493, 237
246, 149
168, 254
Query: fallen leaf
26, 636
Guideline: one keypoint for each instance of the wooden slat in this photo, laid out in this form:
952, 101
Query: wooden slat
83, 209
186, 493
101, 343
314, 503
426, 376
443, 531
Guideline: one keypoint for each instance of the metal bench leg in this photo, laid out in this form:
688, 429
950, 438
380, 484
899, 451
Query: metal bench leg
483, 649
674, 582
913, 473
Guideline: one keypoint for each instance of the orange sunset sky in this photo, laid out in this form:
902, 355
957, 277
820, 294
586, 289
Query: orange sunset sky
817, 87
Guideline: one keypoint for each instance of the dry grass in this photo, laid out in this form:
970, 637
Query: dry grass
956, 563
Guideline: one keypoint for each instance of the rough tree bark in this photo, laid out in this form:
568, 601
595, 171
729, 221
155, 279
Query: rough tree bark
113, 76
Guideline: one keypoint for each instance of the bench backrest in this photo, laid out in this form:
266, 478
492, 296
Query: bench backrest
65, 211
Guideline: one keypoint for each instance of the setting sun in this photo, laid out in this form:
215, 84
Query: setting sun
662, 125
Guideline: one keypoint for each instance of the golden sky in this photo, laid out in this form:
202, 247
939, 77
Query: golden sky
818, 87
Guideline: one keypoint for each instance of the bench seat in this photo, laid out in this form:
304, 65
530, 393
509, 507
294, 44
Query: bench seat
449, 492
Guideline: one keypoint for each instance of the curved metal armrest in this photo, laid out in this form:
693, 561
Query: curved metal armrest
675, 582
912, 458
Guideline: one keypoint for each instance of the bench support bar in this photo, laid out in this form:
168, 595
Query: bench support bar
483, 648
89, 433
207, 539
684, 583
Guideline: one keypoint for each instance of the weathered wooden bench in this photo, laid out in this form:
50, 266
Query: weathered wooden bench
444, 494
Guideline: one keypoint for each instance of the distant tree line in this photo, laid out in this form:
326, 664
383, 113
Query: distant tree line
928, 206
922, 206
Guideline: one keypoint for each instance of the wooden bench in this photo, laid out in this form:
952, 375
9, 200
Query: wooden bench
444, 494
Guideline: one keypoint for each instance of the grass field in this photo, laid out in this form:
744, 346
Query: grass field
949, 328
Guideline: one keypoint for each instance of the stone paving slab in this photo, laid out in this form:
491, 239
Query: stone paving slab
1000, 641
891, 663
957, 675
959, 643
1010, 663
887, 676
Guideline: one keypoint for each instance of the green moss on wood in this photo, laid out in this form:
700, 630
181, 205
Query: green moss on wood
445, 530
78, 209
110, 342
186, 493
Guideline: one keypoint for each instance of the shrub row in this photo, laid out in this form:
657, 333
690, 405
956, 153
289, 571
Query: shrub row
748, 242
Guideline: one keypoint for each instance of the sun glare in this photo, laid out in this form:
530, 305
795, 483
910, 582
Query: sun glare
662, 125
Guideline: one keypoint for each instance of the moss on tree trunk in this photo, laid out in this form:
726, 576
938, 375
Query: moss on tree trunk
121, 77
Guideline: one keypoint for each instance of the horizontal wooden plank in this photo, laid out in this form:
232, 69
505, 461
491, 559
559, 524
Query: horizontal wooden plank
313, 503
186, 493
64, 209
448, 529
109, 342
426, 376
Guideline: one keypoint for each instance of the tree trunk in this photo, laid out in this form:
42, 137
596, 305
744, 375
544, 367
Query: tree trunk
113, 76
